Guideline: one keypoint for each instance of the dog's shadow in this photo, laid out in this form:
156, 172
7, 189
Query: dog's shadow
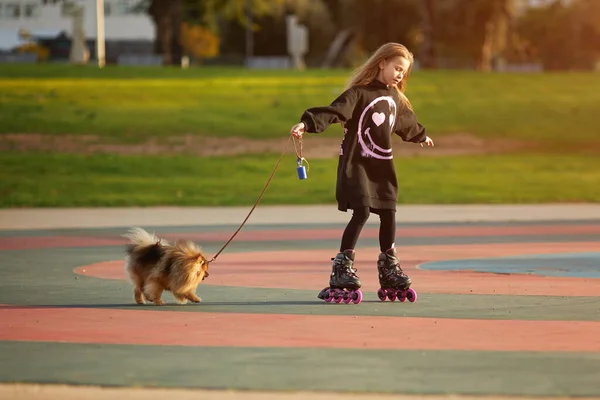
175, 306
66, 306
284, 303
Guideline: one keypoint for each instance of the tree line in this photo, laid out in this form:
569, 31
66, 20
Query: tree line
477, 34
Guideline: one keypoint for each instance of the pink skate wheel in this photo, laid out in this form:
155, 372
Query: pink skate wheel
402, 296
357, 297
381, 294
411, 295
328, 296
338, 296
392, 294
347, 296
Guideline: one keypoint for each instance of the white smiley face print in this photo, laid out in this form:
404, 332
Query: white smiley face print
378, 117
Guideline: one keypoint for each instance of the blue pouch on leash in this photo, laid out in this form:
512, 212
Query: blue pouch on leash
301, 170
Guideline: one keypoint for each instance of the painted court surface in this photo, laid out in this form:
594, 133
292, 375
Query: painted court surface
504, 308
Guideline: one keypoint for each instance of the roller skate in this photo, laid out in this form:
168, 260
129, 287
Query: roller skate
395, 284
343, 282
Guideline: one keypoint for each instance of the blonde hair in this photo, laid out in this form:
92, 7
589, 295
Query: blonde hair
367, 72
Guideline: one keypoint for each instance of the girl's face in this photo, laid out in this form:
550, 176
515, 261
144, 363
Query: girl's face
393, 70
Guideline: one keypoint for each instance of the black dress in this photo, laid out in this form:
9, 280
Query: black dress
366, 176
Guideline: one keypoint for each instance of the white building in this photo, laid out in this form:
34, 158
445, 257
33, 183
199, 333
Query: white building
523, 5
48, 18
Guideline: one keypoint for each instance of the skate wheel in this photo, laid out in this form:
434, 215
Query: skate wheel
381, 293
357, 297
328, 296
411, 295
323, 294
348, 296
402, 296
392, 295
338, 296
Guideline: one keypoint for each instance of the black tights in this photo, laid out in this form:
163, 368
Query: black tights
387, 228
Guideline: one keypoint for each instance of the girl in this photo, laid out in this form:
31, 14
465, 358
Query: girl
370, 110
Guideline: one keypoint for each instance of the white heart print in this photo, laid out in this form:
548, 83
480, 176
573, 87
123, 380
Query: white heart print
378, 118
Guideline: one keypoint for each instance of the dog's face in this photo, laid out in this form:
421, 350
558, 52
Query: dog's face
202, 267
188, 259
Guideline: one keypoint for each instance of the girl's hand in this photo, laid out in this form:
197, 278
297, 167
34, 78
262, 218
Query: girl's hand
298, 129
427, 141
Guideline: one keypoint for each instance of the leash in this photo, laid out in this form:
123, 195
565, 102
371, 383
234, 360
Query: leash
300, 160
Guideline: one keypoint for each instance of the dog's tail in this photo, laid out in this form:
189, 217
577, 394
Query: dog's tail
144, 246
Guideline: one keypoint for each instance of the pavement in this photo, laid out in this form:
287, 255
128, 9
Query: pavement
507, 307
48, 218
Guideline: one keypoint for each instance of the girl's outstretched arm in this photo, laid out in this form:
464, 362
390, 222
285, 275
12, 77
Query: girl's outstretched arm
409, 129
317, 119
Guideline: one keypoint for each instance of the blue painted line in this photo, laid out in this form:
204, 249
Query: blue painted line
575, 265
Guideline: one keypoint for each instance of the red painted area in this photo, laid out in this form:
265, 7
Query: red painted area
310, 270
252, 330
370, 232
41, 242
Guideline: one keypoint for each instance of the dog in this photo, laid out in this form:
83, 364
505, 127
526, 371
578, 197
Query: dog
154, 265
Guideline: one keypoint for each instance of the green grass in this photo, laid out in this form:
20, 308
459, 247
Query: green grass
127, 104
54, 180
130, 105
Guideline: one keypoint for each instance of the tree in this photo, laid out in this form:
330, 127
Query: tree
429, 20
492, 42
198, 41
586, 19
476, 30
564, 35
381, 21
238, 9
169, 14
334, 9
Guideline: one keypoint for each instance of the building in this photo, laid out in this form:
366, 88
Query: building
126, 29
523, 5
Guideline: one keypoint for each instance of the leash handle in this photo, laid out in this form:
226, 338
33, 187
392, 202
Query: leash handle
259, 197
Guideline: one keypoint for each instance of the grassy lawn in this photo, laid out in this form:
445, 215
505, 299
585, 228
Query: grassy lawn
133, 105
128, 104
53, 180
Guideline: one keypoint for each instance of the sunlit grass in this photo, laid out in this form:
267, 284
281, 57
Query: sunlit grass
53, 180
124, 104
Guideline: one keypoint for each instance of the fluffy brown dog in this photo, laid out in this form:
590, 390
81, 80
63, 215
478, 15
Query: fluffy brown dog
154, 266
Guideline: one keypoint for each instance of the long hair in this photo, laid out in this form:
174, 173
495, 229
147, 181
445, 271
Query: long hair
367, 72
